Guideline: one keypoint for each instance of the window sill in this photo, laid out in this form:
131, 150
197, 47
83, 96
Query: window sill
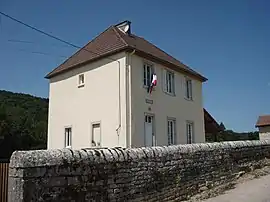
81, 86
170, 94
189, 99
146, 87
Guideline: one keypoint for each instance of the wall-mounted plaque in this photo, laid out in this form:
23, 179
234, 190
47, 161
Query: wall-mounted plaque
149, 101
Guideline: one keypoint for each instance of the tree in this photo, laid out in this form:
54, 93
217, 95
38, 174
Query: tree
23, 122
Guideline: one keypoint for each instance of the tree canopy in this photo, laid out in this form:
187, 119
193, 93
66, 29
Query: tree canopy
23, 122
230, 135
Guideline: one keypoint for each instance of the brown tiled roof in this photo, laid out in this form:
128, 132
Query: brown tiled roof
263, 121
210, 124
113, 40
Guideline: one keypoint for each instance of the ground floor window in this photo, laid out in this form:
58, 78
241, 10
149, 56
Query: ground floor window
190, 132
96, 135
171, 131
68, 136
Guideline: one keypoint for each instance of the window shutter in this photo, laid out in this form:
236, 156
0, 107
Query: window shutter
193, 133
185, 87
144, 76
191, 89
173, 84
164, 80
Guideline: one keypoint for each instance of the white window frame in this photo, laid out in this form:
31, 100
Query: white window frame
81, 79
171, 130
147, 79
169, 82
92, 135
68, 137
190, 132
188, 89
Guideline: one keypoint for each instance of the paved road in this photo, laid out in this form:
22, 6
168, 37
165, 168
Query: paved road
256, 190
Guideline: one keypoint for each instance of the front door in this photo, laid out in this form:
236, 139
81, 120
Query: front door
149, 131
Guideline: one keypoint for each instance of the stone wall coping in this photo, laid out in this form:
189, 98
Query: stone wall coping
41, 158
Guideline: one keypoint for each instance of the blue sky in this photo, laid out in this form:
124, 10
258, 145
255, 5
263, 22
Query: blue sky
227, 41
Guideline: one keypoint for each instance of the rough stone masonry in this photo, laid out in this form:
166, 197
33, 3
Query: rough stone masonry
172, 173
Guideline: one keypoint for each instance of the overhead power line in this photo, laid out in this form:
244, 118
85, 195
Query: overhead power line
50, 35
75, 46
37, 52
33, 42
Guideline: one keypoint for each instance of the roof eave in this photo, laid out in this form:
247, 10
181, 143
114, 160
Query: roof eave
197, 75
127, 48
261, 125
52, 74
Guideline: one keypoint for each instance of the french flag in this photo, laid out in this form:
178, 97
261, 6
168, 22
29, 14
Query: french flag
153, 83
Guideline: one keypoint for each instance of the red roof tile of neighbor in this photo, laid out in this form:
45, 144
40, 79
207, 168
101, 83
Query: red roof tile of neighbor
112, 41
263, 121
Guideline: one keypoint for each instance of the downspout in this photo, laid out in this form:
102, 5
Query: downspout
128, 79
119, 102
118, 129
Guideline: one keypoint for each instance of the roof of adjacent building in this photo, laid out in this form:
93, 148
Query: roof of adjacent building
263, 120
210, 124
112, 41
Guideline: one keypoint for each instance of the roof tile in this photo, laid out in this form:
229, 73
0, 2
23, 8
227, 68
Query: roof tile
113, 40
263, 121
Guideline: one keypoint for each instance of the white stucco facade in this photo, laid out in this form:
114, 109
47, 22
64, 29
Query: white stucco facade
164, 105
98, 102
264, 132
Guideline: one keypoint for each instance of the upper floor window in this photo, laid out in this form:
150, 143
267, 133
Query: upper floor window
81, 79
188, 90
68, 136
190, 132
148, 71
171, 127
169, 79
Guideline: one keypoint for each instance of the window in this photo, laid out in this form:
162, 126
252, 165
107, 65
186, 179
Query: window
169, 82
81, 80
68, 136
190, 132
96, 135
188, 90
148, 71
171, 127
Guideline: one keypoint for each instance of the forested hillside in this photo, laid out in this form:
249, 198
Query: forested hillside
23, 122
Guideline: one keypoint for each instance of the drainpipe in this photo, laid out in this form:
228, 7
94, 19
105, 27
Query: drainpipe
119, 103
118, 129
128, 79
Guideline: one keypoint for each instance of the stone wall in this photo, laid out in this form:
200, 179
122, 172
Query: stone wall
143, 174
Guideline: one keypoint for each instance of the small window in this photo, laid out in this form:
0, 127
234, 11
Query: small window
171, 127
190, 132
81, 79
68, 137
148, 71
169, 82
188, 90
96, 135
